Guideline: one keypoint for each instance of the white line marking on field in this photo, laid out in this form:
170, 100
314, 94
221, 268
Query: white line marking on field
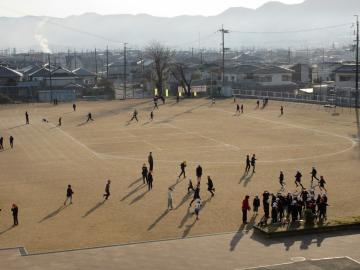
352, 259
76, 141
264, 266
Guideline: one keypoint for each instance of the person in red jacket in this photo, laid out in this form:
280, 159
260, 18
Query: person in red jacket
245, 208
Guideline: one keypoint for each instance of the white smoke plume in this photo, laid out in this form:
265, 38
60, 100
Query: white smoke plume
43, 42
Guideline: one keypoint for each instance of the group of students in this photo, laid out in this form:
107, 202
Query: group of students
291, 205
298, 177
287, 208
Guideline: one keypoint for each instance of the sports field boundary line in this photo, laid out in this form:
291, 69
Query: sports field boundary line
23, 251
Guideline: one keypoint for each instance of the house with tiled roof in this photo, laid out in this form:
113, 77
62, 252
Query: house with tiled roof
9, 76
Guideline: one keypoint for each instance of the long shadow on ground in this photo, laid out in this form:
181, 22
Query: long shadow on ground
54, 213
99, 204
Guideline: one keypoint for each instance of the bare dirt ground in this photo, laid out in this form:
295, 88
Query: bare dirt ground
46, 158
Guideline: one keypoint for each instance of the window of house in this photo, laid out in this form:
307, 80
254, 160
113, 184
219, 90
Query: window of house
264, 79
285, 78
346, 78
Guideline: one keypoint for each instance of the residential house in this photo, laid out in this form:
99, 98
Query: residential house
273, 76
345, 80
9, 76
85, 77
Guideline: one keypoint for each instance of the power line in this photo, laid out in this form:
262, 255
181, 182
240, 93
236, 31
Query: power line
294, 31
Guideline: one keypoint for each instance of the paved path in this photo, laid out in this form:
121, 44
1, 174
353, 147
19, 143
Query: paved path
227, 251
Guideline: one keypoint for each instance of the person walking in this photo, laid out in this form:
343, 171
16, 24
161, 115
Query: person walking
74, 107
211, 188
313, 175
27, 118
89, 117
151, 115
248, 163
69, 194
196, 195
11, 140
198, 174
59, 124
170, 198
282, 110
190, 187
134, 116
15, 213
281, 181
107, 190
242, 108
322, 183
197, 208
237, 109
144, 173
182, 168
258, 104
1, 143
256, 204
150, 180
253, 162
298, 176
151, 162
245, 208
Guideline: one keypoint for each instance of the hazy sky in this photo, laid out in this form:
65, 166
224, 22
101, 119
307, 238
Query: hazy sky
165, 8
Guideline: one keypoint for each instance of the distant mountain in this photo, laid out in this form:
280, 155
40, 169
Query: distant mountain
90, 29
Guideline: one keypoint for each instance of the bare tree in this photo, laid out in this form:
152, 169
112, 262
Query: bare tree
184, 75
161, 56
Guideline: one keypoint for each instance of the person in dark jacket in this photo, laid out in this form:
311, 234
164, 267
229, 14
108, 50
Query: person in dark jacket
144, 173
151, 162
198, 173
190, 186
248, 164
253, 162
313, 175
281, 180
266, 203
256, 205
11, 139
74, 107
1, 143
69, 193
27, 118
150, 180
245, 207
298, 179
211, 188
196, 195
107, 190
182, 168
15, 213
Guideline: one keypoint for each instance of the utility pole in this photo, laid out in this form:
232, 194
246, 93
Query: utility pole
96, 66
125, 75
107, 62
68, 62
50, 79
75, 59
289, 56
357, 64
223, 32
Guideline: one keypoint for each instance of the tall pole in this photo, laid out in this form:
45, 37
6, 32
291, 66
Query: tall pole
50, 79
96, 66
223, 32
75, 59
357, 64
107, 62
125, 75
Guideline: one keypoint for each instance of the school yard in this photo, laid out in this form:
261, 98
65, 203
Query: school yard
46, 158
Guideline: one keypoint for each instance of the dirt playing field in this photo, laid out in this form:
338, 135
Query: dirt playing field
45, 159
